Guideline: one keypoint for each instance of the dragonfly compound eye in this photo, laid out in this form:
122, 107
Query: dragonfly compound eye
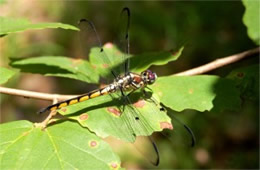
149, 77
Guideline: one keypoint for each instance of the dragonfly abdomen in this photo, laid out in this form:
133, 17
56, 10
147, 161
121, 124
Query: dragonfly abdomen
128, 82
84, 97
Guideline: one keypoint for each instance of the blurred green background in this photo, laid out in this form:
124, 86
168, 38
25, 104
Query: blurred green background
208, 30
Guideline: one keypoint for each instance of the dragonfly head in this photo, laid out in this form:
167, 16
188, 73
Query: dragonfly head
148, 76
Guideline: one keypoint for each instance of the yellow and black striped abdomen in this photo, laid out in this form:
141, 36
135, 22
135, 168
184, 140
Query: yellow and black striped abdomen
75, 100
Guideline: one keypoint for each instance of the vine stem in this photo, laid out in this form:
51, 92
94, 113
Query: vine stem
195, 71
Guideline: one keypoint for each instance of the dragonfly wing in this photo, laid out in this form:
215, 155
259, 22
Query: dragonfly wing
181, 131
123, 38
108, 59
147, 147
97, 55
137, 117
182, 134
89, 37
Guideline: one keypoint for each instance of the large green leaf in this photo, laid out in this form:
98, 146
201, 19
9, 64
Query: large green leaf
5, 74
143, 61
113, 59
252, 19
63, 145
247, 80
106, 116
197, 92
58, 66
13, 25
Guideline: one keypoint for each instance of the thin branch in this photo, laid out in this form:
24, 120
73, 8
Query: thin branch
219, 63
35, 95
198, 70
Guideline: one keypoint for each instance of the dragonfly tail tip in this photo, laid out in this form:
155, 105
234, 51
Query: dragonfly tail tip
42, 111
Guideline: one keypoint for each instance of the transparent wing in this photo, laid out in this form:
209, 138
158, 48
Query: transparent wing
141, 127
147, 147
123, 38
107, 59
92, 46
180, 132
89, 37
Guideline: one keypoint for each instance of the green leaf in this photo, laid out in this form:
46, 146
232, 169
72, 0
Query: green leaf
197, 92
142, 62
247, 80
5, 74
103, 62
64, 145
252, 19
57, 66
106, 117
14, 25
113, 59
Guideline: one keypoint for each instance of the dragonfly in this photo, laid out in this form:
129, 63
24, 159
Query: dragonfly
124, 84
129, 81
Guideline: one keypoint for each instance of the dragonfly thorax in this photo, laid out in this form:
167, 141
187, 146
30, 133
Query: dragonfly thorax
134, 81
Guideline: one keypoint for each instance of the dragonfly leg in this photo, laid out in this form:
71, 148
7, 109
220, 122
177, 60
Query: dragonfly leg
113, 73
123, 94
148, 88
151, 99
124, 98
148, 96
127, 100
130, 93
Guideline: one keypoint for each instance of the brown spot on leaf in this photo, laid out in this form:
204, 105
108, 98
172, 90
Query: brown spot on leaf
105, 65
94, 66
114, 165
113, 110
93, 143
108, 45
76, 62
190, 91
64, 109
174, 52
240, 74
83, 117
166, 125
139, 103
